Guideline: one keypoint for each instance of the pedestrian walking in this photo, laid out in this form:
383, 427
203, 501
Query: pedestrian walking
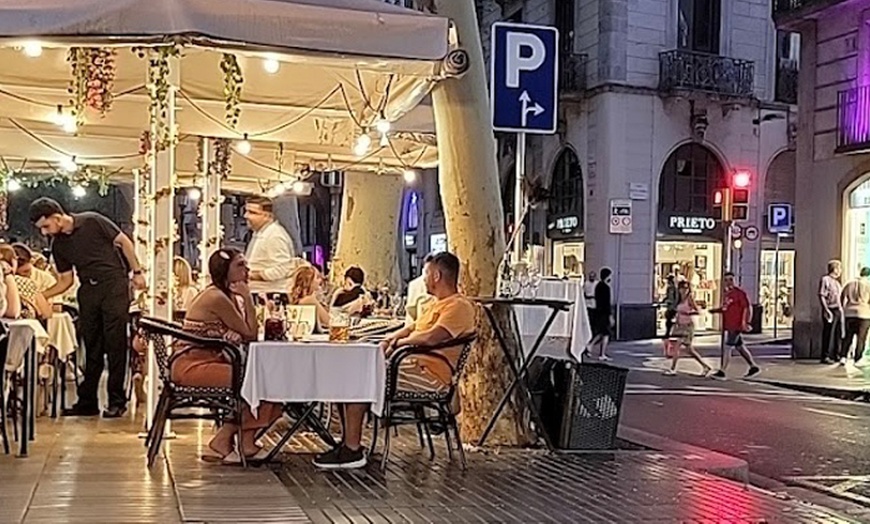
104, 259
830, 296
856, 315
602, 319
736, 318
684, 329
672, 298
589, 293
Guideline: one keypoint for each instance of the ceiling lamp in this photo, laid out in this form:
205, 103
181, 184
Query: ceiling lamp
410, 176
271, 64
194, 194
69, 164
32, 48
362, 145
13, 185
79, 191
278, 190
383, 125
243, 147
64, 121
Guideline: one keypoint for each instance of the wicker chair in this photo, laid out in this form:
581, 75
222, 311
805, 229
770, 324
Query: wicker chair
186, 402
4, 409
410, 407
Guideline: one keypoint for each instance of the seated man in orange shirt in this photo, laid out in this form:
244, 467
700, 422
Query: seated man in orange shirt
448, 317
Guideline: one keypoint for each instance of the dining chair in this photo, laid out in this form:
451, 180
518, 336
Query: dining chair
4, 350
178, 401
423, 408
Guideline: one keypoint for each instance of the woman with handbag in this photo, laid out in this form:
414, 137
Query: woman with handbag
684, 329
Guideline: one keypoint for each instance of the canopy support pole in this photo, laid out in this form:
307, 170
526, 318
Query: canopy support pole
209, 209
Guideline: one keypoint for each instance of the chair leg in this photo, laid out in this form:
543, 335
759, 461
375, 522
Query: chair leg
429, 441
158, 425
443, 421
420, 435
161, 400
387, 441
3, 413
452, 424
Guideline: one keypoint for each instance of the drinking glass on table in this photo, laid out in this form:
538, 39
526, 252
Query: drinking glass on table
339, 325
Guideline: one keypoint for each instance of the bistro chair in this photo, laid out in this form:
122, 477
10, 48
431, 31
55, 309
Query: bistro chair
187, 402
4, 413
422, 408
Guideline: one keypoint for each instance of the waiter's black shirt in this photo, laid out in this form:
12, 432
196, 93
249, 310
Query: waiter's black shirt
90, 249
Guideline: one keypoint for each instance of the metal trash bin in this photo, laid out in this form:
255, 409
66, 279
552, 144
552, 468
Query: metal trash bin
580, 404
591, 417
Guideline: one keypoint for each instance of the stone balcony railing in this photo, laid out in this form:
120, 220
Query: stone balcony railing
682, 70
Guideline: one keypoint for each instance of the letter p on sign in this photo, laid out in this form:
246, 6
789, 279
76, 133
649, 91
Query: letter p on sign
525, 52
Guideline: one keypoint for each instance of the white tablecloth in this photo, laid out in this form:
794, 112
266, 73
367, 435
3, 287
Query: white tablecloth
573, 324
314, 372
62, 334
21, 334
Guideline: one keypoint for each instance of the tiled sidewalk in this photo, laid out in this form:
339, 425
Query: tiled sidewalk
94, 471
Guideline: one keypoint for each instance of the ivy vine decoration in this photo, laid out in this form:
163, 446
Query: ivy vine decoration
158, 90
233, 81
93, 80
222, 163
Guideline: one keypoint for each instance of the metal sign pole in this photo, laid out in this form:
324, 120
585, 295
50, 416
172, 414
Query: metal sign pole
618, 287
519, 200
776, 287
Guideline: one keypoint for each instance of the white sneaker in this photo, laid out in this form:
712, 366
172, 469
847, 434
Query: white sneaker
669, 372
604, 358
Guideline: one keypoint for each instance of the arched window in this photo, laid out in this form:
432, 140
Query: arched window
687, 185
566, 203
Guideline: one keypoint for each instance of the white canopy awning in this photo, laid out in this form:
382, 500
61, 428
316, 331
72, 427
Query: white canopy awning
353, 27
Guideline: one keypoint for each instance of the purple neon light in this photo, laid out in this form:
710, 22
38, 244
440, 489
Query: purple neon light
854, 109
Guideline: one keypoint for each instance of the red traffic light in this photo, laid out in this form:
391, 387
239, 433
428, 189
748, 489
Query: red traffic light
741, 179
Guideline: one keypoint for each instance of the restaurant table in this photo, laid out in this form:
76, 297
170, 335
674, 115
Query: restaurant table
26, 339
63, 338
572, 324
524, 358
311, 372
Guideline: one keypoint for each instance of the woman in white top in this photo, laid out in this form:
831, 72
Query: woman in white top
684, 329
185, 291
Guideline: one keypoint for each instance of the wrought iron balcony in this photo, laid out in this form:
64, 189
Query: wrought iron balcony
785, 11
572, 74
681, 70
853, 120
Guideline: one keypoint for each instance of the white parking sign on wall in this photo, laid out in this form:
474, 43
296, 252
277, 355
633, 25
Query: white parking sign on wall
620, 216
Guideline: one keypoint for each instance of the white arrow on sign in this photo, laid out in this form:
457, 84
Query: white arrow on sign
536, 109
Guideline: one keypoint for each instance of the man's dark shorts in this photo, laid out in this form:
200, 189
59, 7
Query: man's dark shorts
733, 338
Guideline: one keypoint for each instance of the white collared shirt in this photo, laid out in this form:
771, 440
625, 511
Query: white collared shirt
271, 253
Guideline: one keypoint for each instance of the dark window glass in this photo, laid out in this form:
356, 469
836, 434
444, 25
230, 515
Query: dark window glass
566, 190
689, 179
698, 25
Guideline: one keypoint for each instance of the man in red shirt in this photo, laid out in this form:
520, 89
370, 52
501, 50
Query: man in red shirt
736, 317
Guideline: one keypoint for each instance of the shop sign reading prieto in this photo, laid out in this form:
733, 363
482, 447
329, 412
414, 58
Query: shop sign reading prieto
695, 225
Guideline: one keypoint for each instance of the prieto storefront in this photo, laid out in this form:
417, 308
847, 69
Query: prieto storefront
565, 217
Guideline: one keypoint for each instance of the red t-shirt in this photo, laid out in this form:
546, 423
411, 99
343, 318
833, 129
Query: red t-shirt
734, 309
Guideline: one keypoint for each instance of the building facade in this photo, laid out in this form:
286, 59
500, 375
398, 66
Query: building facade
833, 150
660, 102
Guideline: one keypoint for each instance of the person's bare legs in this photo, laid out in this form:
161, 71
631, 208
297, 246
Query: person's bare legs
697, 356
222, 442
354, 415
675, 357
747, 356
605, 340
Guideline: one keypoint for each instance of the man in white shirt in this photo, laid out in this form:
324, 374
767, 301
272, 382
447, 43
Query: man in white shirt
417, 297
270, 251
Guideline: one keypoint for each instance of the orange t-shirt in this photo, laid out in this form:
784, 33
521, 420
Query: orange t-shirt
457, 315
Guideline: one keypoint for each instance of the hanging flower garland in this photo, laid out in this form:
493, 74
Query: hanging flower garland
233, 81
158, 90
222, 164
93, 79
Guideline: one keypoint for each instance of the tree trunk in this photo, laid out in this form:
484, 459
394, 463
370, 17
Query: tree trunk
473, 214
368, 234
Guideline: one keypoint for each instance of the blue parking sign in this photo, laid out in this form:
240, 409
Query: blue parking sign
524, 78
779, 218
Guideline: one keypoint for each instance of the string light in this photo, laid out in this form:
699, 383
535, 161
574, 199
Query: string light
362, 145
79, 191
410, 176
243, 147
13, 185
194, 194
271, 64
32, 49
69, 164
385, 141
65, 122
383, 125
278, 190
299, 187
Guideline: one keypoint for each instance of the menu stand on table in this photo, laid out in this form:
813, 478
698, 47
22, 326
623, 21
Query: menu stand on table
556, 307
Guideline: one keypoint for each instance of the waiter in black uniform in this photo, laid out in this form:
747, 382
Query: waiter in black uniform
103, 258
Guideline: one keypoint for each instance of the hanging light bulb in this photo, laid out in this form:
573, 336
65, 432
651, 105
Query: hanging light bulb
299, 187
13, 185
362, 145
69, 164
271, 64
410, 176
243, 147
79, 191
194, 194
383, 125
385, 141
64, 121
278, 190
32, 48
